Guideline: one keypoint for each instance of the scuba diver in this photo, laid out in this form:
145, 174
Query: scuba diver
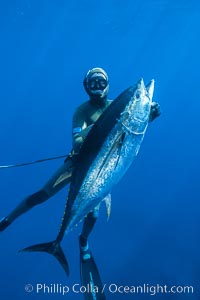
96, 85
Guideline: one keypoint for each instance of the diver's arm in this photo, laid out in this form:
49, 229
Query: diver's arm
77, 142
85, 132
79, 129
78, 138
155, 111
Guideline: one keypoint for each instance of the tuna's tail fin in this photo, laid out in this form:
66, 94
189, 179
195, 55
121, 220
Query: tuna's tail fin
52, 248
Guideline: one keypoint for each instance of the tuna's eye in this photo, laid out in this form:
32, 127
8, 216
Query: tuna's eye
137, 95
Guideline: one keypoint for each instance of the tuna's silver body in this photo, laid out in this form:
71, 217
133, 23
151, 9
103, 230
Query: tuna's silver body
106, 154
116, 154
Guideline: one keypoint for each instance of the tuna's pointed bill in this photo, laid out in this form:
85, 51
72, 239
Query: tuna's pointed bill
150, 89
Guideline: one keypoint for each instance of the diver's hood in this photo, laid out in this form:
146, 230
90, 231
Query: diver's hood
96, 94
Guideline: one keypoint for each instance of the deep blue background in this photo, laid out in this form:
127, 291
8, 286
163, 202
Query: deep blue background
153, 235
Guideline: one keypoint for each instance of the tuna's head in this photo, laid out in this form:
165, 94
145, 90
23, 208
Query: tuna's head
136, 114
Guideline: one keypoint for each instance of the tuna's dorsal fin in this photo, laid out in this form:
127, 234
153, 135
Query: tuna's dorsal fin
107, 200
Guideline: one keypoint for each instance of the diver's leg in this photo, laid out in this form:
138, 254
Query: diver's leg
56, 183
88, 268
88, 226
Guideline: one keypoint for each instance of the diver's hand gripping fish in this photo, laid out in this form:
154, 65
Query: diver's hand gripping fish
107, 152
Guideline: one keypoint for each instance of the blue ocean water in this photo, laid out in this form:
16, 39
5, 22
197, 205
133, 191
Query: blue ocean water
153, 235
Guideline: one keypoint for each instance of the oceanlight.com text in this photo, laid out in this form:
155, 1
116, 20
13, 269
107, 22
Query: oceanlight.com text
112, 288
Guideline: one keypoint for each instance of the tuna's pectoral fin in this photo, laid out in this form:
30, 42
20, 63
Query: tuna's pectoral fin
107, 200
52, 248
